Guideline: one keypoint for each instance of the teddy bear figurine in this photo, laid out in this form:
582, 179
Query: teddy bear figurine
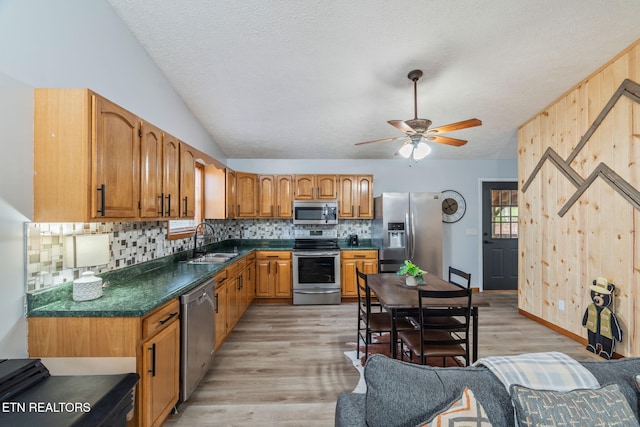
601, 323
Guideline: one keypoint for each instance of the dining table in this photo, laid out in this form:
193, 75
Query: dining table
401, 300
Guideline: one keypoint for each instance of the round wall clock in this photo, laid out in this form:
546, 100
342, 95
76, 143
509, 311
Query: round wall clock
453, 206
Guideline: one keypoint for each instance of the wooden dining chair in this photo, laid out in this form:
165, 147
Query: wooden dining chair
459, 278
438, 335
372, 323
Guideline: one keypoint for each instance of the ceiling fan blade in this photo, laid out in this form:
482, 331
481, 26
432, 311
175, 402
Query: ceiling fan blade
401, 125
380, 140
446, 140
455, 126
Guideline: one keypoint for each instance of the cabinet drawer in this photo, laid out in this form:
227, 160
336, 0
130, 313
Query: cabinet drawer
273, 255
367, 254
221, 278
160, 318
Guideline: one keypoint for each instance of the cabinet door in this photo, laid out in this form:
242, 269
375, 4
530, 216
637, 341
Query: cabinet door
116, 161
151, 195
234, 301
266, 196
160, 370
231, 194
283, 278
348, 278
187, 205
327, 187
170, 176
363, 195
250, 280
220, 317
346, 198
304, 187
247, 194
264, 286
284, 196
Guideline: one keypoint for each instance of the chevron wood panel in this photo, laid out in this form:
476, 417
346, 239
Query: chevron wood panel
579, 173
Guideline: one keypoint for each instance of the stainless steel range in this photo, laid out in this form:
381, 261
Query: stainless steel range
316, 267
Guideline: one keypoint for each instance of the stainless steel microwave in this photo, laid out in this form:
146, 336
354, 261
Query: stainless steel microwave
315, 212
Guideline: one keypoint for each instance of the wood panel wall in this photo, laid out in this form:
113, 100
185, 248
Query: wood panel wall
559, 256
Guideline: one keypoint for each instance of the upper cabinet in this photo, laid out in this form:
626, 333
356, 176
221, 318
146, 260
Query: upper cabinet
316, 187
96, 161
159, 173
275, 196
356, 196
246, 195
187, 206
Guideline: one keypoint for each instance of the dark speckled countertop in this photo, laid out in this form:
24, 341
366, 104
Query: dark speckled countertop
138, 290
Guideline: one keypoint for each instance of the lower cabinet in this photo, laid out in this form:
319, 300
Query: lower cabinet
161, 366
221, 308
364, 260
273, 274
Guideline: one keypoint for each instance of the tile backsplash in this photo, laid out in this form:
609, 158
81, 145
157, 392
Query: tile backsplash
135, 242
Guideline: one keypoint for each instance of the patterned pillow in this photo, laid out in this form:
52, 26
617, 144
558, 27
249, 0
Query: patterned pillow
465, 411
605, 406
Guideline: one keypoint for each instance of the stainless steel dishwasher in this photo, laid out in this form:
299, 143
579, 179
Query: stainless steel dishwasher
198, 336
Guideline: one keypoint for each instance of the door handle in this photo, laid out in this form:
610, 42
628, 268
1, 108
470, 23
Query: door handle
487, 242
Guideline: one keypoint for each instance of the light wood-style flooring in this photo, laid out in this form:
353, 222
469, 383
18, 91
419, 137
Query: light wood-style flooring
284, 365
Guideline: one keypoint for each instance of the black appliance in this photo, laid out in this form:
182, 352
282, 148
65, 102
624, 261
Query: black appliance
353, 240
30, 396
316, 267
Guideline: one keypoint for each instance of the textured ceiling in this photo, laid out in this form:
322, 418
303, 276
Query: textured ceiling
308, 79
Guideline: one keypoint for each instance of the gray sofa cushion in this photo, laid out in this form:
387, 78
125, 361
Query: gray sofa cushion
403, 394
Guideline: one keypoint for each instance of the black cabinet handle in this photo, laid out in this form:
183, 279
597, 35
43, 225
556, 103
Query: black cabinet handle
215, 303
169, 205
169, 317
102, 210
185, 206
152, 371
161, 197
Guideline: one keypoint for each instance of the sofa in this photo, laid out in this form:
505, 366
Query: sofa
403, 394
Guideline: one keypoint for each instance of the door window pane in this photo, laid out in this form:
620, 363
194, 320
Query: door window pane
504, 218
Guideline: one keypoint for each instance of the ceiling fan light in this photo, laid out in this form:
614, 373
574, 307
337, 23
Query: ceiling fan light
421, 150
406, 150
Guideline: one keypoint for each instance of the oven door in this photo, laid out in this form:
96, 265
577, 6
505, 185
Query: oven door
316, 277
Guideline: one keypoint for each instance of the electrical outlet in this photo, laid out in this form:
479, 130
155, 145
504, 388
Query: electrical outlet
561, 305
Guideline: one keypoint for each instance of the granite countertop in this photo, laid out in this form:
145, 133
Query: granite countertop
138, 290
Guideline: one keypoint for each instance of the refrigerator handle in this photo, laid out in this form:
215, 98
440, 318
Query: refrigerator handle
410, 236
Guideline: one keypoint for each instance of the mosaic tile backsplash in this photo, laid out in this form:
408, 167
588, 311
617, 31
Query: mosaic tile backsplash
135, 242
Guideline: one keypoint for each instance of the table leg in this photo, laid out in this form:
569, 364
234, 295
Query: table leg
394, 335
474, 313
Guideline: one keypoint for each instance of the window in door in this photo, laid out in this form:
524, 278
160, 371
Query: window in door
504, 214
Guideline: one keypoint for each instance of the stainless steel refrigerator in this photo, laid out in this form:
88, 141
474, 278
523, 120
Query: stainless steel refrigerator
408, 226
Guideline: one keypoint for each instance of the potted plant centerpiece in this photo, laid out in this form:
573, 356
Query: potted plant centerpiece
413, 273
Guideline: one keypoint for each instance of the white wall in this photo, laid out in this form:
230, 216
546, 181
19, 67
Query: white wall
16, 205
65, 43
461, 240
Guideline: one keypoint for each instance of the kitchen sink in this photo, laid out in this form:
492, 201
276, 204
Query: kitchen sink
214, 258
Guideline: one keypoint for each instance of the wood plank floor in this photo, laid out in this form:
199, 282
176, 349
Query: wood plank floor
285, 365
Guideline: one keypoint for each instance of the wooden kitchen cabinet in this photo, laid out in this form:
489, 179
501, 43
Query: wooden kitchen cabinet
100, 144
273, 274
246, 195
355, 196
365, 260
159, 173
160, 364
187, 206
316, 187
231, 196
275, 196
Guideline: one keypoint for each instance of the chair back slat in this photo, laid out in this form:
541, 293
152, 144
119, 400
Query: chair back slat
459, 278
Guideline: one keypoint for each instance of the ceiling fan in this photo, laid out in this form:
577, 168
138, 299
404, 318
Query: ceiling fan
417, 130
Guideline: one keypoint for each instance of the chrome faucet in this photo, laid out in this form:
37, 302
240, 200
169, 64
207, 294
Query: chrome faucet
195, 238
